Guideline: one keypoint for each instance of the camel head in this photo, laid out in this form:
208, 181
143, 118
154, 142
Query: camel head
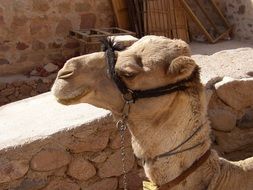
149, 63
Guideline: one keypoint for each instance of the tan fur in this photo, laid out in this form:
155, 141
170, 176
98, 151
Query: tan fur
157, 124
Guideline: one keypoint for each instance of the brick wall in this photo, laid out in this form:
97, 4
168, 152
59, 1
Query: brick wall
35, 32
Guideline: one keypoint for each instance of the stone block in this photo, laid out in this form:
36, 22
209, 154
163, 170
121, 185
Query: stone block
4, 61
222, 120
7, 91
50, 159
237, 93
22, 46
88, 20
50, 67
25, 90
105, 184
113, 165
40, 5
32, 184
62, 184
81, 169
63, 27
93, 143
101, 157
38, 45
247, 120
12, 170
82, 7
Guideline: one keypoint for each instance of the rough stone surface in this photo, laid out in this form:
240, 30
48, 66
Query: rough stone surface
12, 170
92, 143
106, 184
113, 165
50, 67
88, 20
30, 26
247, 120
81, 169
47, 160
222, 120
62, 185
236, 92
32, 184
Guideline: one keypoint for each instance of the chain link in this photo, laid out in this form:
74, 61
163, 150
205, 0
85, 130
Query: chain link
122, 126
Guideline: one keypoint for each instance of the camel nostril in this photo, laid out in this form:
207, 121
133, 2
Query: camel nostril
65, 74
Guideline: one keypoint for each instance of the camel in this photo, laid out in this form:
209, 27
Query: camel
170, 132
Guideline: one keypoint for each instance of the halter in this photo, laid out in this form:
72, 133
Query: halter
128, 94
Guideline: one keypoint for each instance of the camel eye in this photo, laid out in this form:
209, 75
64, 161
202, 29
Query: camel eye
128, 75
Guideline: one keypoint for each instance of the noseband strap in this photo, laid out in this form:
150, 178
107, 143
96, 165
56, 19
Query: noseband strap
130, 95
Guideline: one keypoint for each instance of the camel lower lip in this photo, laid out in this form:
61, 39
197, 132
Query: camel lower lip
68, 101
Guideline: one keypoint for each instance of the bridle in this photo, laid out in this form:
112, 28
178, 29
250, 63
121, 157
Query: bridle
131, 96
128, 94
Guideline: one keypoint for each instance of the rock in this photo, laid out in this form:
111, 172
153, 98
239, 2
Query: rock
58, 184
237, 93
64, 7
25, 90
4, 61
32, 184
222, 120
50, 67
40, 5
7, 91
81, 169
63, 27
105, 184
134, 181
113, 165
2, 86
42, 87
38, 45
234, 140
247, 120
115, 142
99, 158
21, 46
93, 143
50, 159
4, 47
88, 20
19, 20
82, 7
72, 45
12, 170
34, 73
54, 45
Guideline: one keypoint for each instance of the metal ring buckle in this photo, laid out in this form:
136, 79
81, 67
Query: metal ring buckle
128, 97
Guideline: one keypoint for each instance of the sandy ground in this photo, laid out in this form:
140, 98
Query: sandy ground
209, 49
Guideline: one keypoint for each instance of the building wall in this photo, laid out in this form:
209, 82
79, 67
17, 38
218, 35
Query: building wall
35, 32
239, 13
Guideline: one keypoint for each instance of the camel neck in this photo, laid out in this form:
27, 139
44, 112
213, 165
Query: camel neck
165, 131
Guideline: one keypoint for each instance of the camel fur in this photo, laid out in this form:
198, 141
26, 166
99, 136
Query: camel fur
158, 124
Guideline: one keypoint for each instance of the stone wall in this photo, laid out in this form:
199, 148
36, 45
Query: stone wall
86, 158
35, 32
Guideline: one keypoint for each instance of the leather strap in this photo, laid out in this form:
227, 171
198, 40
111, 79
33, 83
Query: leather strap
187, 172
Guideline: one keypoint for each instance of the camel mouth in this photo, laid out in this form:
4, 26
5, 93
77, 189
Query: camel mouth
73, 100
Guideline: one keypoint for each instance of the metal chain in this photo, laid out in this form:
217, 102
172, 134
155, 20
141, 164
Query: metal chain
122, 126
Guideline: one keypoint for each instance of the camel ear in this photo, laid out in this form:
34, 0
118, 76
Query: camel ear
181, 67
